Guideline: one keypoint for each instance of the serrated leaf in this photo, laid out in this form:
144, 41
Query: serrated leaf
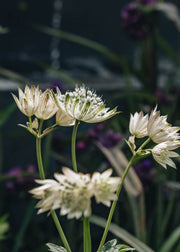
55, 248
122, 234
112, 246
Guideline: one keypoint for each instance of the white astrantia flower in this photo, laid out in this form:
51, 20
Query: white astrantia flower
71, 192
138, 125
47, 107
159, 130
105, 187
28, 100
63, 119
163, 153
84, 105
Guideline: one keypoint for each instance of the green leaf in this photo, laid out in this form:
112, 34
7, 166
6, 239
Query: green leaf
3, 30
171, 241
6, 113
4, 226
112, 246
55, 248
122, 234
12, 75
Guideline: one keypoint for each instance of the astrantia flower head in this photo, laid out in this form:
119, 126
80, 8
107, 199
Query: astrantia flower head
163, 153
84, 105
28, 100
138, 125
105, 187
159, 130
72, 192
47, 107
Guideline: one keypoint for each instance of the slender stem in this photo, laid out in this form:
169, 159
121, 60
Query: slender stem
30, 121
117, 193
73, 146
114, 205
60, 231
42, 176
87, 235
38, 152
86, 226
144, 144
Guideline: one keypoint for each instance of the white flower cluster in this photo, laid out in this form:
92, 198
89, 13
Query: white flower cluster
160, 132
72, 192
81, 104
35, 102
84, 105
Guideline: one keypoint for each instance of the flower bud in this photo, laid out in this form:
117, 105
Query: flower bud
47, 107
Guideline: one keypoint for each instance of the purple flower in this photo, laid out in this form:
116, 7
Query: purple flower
134, 20
19, 181
56, 84
162, 97
109, 139
80, 145
147, 2
145, 173
15, 171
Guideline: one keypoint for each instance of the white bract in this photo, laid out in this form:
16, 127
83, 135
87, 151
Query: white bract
72, 192
163, 153
28, 100
84, 105
105, 187
159, 130
138, 124
63, 119
47, 107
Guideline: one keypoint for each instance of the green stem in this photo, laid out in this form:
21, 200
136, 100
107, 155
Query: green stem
144, 144
30, 121
60, 231
114, 204
86, 226
42, 176
87, 235
73, 146
117, 193
38, 152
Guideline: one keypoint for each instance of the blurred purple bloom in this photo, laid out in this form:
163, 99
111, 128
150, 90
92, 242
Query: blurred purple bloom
134, 21
20, 181
80, 145
147, 2
162, 97
107, 138
15, 171
56, 84
145, 173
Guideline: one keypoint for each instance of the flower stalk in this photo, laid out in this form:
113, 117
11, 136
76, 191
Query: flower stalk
42, 176
118, 193
86, 235
114, 204
38, 152
86, 226
73, 146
